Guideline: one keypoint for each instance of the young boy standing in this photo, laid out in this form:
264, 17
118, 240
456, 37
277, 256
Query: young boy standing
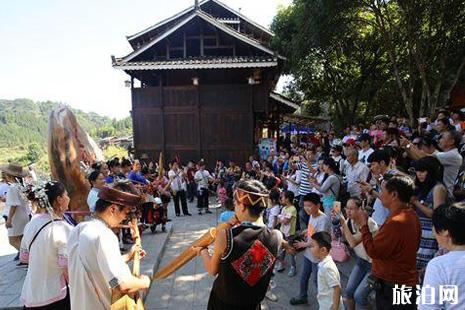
329, 282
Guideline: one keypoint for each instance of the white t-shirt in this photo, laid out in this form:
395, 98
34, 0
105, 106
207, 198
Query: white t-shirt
359, 249
328, 279
201, 178
272, 216
448, 269
296, 176
451, 161
363, 155
47, 259
22, 213
95, 265
177, 183
316, 224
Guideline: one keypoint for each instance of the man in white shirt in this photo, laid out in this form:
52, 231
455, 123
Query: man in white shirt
96, 269
178, 188
202, 177
449, 156
356, 172
365, 148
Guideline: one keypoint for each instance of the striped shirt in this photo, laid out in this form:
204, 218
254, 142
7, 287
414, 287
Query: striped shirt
305, 187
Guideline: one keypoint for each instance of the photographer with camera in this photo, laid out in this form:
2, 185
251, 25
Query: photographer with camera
357, 290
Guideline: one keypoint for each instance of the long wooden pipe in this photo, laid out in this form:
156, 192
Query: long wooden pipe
188, 254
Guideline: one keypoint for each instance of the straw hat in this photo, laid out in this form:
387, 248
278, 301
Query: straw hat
14, 170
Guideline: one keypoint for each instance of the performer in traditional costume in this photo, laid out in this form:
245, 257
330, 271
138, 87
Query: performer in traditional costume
18, 206
95, 264
244, 255
43, 247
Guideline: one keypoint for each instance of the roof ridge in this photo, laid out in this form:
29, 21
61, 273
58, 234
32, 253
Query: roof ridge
192, 8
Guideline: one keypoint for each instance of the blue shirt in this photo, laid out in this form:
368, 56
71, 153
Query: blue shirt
136, 177
226, 215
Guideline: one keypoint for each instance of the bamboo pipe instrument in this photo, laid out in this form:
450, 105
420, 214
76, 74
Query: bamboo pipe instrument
122, 301
188, 254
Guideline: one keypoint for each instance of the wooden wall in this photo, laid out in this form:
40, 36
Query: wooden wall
208, 121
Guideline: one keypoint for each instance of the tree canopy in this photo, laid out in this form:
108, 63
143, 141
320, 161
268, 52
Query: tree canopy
361, 58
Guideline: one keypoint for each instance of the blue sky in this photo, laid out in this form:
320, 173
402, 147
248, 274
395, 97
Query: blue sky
60, 50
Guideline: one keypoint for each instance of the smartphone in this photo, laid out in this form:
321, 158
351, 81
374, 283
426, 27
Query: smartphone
337, 207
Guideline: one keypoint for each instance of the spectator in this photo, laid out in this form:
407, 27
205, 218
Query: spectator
202, 178
329, 280
429, 194
379, 166
357, 290
318, 221
272, 213
19, 208
97, 182
356, 172
365, 148
392, 252
336, 154
229, 212
191, 186
178, 188
449, 156
330, 186
287, 219
448, 269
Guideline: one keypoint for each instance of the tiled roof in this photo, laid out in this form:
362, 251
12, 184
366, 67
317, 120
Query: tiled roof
198, 63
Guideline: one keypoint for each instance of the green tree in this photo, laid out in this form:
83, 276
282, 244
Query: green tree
34, 152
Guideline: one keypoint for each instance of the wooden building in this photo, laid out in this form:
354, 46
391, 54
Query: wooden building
207, 76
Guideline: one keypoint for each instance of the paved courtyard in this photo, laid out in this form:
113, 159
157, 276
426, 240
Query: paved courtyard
189, 287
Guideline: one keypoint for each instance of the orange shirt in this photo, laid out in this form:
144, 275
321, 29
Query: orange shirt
394, 249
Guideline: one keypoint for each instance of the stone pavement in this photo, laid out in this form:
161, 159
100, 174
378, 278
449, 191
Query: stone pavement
12, 278
189, 287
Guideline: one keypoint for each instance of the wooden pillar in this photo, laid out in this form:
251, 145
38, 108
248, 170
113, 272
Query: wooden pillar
199, 119
252, 117
162, 105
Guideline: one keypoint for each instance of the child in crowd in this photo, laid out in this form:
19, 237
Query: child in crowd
229, 212
329, 280
222, 194
271, 215
288, 220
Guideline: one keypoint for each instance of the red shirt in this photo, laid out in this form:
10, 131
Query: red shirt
394, 248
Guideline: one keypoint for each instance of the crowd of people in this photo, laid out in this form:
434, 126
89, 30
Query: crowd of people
390, 195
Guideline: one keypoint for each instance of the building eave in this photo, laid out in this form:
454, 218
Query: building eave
284, 100
193, 64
